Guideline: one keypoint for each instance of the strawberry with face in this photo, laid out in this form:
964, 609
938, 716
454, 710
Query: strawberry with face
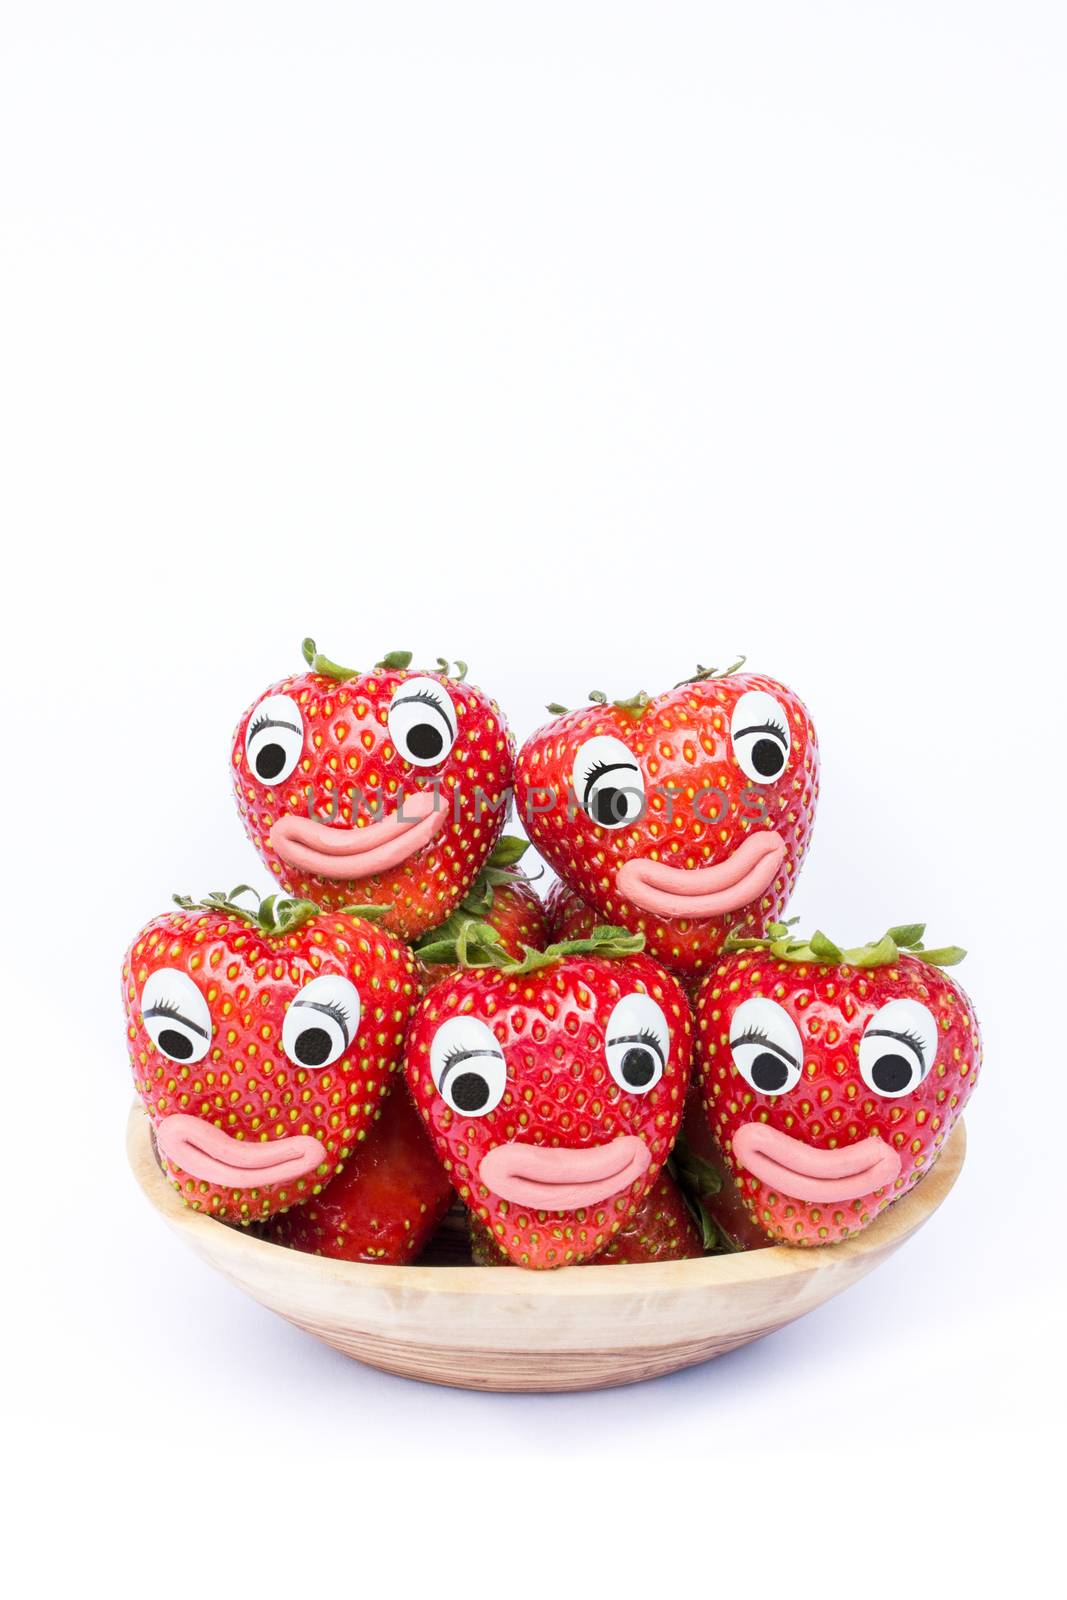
831, 1079
680, 816
386, 788
553, 1089
263, 1043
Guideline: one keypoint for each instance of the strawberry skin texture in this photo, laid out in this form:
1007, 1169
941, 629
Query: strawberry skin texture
550, 1025
831, 1106
384, 1206
568, 915
245, 1085
347, 745
682, 742
518, 916
662, 1230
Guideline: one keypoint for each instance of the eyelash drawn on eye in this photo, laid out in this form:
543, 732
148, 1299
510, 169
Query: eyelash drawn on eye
906, 1036
165, 1008
646, 1036
766, 727
338, 1013
458, 1054
755, 1035
331, 1008
262, 722
171, 1013
426, 699
599, 769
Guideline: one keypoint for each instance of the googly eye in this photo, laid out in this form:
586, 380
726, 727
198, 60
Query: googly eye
759, 732
321, 1021
274, 738
607, 782
637, 1043
468, 1066
422, 721
898, 1048
765, 1045
175, 1014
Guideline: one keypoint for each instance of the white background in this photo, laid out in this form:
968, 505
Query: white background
584, 341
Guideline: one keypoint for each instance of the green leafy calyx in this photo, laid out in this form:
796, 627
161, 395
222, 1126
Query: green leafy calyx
275, 916
703, 674
820, 950
478, 945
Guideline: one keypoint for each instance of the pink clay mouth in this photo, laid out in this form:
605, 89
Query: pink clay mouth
705, 891
798, 1170
351, 853
551, 1179
207, 1153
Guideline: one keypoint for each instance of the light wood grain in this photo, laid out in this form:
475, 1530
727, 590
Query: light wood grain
576, 1328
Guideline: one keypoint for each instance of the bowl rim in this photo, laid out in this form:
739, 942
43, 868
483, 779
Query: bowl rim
221, 1241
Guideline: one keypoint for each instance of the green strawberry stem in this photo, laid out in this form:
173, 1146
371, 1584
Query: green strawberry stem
478, 945
903, 940
392, 661
638, 703
323, 665
703, 674
274, 916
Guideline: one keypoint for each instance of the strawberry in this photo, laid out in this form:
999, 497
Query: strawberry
831, 1079
386, 788
568, 915
386, 1203
504, 899
662, 1229
553, 1088
680, 816
263, 1043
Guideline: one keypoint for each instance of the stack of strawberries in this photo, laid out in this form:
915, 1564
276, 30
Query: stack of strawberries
645, 1065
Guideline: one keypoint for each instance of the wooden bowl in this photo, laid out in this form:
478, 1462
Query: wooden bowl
575, 1328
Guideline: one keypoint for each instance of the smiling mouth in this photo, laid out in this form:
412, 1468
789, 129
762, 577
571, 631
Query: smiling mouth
798, 1170
350, 853
550, 1179
704, 891
206, 1152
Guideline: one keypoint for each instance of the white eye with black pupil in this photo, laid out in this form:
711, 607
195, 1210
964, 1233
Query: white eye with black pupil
467, 1066
759, 733
321, 1021
175, 1014
898, 1048
274, 738
765, 1045
607, 782
422, 721
637, 1043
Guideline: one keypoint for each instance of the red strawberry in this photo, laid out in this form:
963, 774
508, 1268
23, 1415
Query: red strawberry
553, 1090
386, 1203
831, 1079
503, 899
386, 788
679, 817
662, 1230
263, 1044
568, 915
